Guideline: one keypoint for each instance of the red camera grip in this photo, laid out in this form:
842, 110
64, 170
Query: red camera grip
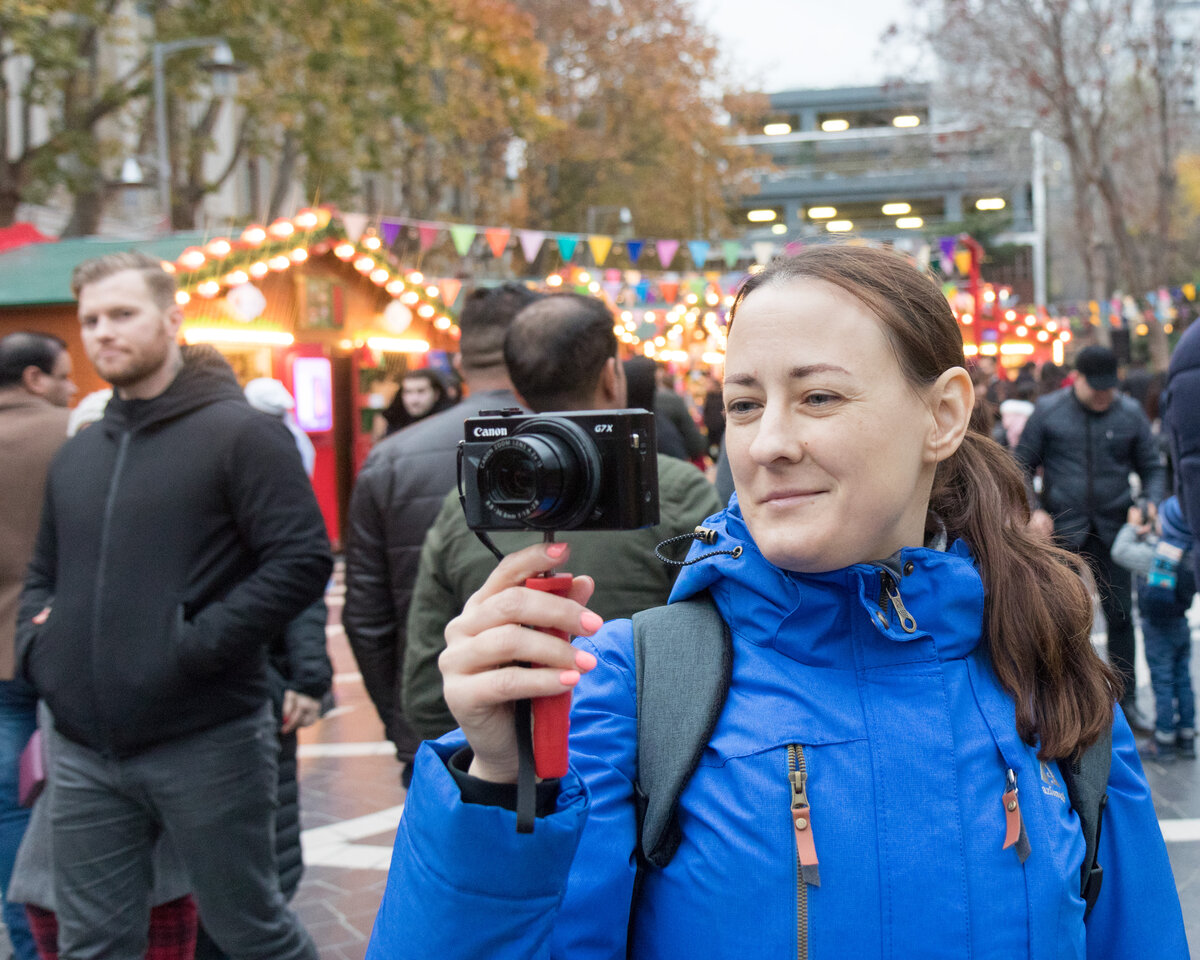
551, 715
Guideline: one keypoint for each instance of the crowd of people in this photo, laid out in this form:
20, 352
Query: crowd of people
894, 728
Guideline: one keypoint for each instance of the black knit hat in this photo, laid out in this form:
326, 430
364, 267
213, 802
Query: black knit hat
1098, 366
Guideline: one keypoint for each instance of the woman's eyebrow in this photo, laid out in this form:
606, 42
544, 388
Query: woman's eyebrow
796, 373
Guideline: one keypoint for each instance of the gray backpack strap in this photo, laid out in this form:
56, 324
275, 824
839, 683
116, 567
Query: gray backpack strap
684, 660
1086, 778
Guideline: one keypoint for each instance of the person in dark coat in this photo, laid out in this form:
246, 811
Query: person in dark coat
1087, 439
422, 393
641, 383
1181, 423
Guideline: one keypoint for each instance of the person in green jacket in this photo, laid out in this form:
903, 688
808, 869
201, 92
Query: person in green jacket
562, 355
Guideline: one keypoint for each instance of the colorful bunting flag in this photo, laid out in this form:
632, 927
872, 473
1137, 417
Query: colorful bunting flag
463, 235
668, 290
962, 261
497, 239
566, 245
699, 251
764, 250
449, 288
666, 252
390, 230
428, 235
634, 249
531, 243
355, 224
731, 250
600, 245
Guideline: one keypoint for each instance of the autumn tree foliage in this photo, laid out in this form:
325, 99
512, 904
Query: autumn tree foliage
1099, 77
634, 90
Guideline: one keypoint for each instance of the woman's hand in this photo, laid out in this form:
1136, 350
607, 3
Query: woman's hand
499, 628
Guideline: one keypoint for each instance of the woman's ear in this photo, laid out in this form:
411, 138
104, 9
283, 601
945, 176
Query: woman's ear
951, 399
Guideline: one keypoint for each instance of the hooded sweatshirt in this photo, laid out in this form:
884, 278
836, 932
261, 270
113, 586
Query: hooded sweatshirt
179, 536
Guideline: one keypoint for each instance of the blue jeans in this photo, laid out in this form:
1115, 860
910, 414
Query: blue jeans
18, 705
1168, 652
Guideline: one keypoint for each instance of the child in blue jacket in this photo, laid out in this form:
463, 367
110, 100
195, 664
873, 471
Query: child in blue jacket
1166, 586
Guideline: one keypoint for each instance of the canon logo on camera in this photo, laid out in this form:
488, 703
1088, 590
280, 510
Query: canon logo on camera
490, 432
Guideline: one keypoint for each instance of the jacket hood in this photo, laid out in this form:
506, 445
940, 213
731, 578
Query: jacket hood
1175, 529
204, 378
940, 589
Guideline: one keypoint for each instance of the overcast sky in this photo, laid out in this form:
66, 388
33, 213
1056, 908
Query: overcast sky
786, 44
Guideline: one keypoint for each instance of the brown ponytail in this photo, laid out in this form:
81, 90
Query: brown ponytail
1038, 606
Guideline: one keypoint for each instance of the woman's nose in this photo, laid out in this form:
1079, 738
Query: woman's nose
779, 437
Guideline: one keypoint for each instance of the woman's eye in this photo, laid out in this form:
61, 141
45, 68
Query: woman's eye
820, 399
739, 406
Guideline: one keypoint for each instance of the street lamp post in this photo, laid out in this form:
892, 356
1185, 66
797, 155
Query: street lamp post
222, 59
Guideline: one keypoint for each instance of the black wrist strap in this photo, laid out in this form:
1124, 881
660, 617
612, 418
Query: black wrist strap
526, 774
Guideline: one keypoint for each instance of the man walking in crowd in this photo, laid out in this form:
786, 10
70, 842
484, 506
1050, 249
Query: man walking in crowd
396, 498
1181, 421
35, 388
1087, 439
179, 536
562, 355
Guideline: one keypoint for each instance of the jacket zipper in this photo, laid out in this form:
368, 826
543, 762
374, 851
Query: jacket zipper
806, 851
101, 570
889, 593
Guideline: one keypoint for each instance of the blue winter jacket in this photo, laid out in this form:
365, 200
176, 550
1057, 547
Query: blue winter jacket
1181, 422
906, 738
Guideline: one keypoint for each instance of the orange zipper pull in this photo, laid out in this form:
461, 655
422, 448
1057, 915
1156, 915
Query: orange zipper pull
1014, 834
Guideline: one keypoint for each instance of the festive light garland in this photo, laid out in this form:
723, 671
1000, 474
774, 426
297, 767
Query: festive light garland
224, 264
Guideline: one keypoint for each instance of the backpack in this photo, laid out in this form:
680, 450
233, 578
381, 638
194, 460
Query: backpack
683, 676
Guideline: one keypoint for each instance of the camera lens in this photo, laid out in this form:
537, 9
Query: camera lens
546, 476
514, 475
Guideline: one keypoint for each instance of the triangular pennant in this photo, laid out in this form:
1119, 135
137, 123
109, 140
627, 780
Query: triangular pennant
428, 234
643, 290
448, 289
731, 250
463, 235
355, 224
390, 230
962, 262
600, 245
666, 252
566, 245
634, 249
668, 290
612, 288
699, 251
497, 239
764, 250
531, 243
612, 275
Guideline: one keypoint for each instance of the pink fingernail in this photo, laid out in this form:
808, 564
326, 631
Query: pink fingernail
590, 622
556, 550
584, 660
568, 678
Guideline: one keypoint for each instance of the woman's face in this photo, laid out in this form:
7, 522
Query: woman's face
829, 444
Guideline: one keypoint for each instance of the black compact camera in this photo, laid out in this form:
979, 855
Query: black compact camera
582, 470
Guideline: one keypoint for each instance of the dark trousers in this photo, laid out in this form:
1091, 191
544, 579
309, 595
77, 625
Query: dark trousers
1115, 585
213, 793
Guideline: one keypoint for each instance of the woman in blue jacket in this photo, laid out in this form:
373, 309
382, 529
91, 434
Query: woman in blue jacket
905, 654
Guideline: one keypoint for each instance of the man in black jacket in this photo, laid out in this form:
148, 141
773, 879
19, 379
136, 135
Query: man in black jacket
1087, 439
179, 536
398, 494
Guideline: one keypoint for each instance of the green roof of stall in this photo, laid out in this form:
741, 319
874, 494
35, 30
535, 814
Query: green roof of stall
40, 273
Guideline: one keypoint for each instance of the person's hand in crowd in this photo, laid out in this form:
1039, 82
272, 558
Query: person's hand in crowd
497, 631
1042, 524
298, 711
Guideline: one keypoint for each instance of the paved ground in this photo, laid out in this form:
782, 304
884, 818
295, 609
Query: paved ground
351, 801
